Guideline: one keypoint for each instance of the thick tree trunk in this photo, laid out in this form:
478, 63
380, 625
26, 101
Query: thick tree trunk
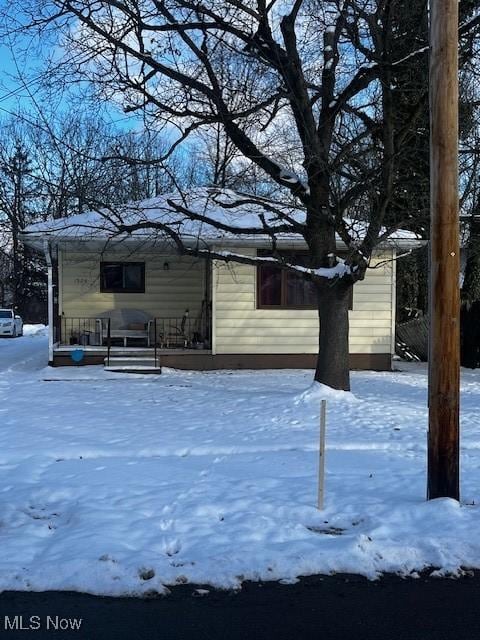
333, 357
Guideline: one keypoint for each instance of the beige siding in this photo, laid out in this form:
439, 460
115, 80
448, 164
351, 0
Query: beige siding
242, 328
239, 327
167, 292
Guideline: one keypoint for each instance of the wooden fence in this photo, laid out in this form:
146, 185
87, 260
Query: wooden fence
411, 341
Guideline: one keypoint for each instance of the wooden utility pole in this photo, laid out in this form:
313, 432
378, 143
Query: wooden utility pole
444, 362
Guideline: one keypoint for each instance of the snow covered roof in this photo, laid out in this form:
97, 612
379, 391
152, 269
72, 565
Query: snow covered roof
220, 217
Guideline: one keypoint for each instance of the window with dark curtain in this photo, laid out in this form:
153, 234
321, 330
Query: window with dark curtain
282, 289
270, 288
122, 277
112, 276
299, 292
133, 276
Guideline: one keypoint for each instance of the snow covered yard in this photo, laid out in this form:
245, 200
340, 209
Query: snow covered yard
121, 484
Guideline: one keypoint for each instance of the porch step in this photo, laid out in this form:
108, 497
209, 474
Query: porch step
134, 369
133, 364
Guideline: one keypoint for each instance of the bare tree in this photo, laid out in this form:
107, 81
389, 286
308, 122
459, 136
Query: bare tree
54, 167
19, 267
302, 90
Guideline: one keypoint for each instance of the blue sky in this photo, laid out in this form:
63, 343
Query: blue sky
15, 97
7, 84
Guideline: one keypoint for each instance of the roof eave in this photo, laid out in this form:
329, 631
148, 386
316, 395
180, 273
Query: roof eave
36, 241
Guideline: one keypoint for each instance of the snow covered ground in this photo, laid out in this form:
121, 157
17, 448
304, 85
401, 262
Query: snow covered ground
121, 484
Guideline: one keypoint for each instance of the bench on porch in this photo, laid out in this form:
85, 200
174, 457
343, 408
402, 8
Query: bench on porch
126, 324
129, 327
129, 334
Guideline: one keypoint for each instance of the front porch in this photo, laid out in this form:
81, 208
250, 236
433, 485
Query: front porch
137, 305
121, 337
134, 328
196, 359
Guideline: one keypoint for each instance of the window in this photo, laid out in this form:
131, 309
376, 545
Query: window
122, 277
277, 288
283, 289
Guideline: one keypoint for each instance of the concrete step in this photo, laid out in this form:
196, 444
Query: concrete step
133, 364
134, 360
133, 369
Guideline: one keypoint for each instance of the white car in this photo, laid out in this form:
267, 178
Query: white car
10, 324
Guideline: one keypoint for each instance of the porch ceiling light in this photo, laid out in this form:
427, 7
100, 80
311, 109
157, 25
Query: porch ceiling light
166, 266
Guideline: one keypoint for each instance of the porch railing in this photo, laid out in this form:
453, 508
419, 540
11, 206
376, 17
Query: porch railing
183, 332
109, 340
81, 331
180, 333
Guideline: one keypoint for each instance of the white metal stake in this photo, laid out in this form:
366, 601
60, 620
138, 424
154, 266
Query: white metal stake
321, 458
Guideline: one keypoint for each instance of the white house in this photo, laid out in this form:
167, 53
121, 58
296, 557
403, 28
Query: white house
132, 299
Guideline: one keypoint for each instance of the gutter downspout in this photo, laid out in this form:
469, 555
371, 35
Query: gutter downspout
48, 259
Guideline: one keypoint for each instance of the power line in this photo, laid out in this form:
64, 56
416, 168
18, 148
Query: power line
27, 83
21, 88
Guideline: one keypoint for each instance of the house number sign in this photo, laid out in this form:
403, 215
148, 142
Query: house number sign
82, 282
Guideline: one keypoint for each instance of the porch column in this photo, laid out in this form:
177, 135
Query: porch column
208, 301
48, 259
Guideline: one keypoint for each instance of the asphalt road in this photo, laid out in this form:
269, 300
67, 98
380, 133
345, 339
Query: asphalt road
330, 608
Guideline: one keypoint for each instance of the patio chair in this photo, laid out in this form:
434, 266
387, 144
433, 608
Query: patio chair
174, 335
